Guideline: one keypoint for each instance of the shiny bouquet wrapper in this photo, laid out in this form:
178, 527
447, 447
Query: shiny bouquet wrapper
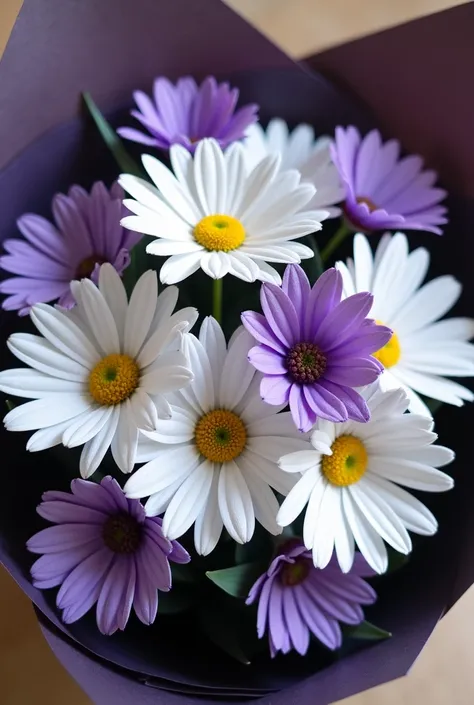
422, 95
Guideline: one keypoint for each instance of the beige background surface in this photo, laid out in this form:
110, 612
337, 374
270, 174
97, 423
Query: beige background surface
443, 675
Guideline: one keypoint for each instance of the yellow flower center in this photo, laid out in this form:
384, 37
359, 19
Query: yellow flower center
219, 233
114, 379
370, 204
390, 354
348, 461
295, 573
220, 436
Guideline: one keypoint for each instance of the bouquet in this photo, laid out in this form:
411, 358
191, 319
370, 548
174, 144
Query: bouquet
230, 353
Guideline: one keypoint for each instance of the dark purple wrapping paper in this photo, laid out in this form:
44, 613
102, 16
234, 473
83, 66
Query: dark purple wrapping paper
58, 48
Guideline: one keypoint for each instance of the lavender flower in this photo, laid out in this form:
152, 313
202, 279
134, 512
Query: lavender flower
314, 349
295, 599
186, 113
383, 191
103, 550
86, 233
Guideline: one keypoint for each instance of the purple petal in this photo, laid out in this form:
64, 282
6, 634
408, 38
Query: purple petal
368, 339
267, 360
64, 537
255, 590
56, 566
66, 512
275, 390
324, 296
179, 554
84, 579
325, 403
276, 624
355, 404
344, 319
115, 492
263, 605
296, 286
303, 415
257, 326
154, 563
114, 598
280, 314
145, 602
154, 531
353, 372
349, 587
324, 628
90, 494
332, 604
296, 626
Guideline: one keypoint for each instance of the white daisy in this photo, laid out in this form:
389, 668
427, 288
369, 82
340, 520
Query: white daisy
299, 150
214, 461
100, 371
422, 349
211, 213
351, 477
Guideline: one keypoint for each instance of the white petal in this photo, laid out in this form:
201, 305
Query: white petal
274, 447
51, 436
143, 410
348, 288
236, 175
435, 387
158, 503
298, 497
163, 406
33, 385
237, 372
274, 424
99, 318
166, 378
389, 270
166, 334
264, 501
170, 465
213, 340
300, 461
324, 532
65, 335
141, 309
144, 193
124, 443
86, 427
368, 540
202, 388
270, 473
411, 474
45, 412
113, 291
343, 540
178, 267
428, 304
171, 189
94, 450
321, 442
235, 503
165, 248
382, 518
209, 525
215, 264
312, 510
414, 515
242, 266
210, 177
363, 262
178, 429
188, 501
44, 357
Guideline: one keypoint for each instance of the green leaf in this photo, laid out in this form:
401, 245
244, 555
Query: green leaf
238, 580
367, 631
175, 601
126, 163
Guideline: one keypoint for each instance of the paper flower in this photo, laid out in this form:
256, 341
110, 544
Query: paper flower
314, 349
211, 213
351, 478
186, 113
299, 150
103, 550
100, 372
295, 599
383, 191
422, 349
86, 232
214, 461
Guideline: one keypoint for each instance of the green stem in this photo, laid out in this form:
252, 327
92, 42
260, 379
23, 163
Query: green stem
217, 299
336, 240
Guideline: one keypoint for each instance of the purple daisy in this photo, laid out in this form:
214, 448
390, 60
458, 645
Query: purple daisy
314, 348
103, 550
295, 599
384, 192
86, 233
185, 113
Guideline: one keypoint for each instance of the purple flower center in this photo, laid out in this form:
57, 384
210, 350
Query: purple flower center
87, 266
305, 363
122, 533
295, 573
